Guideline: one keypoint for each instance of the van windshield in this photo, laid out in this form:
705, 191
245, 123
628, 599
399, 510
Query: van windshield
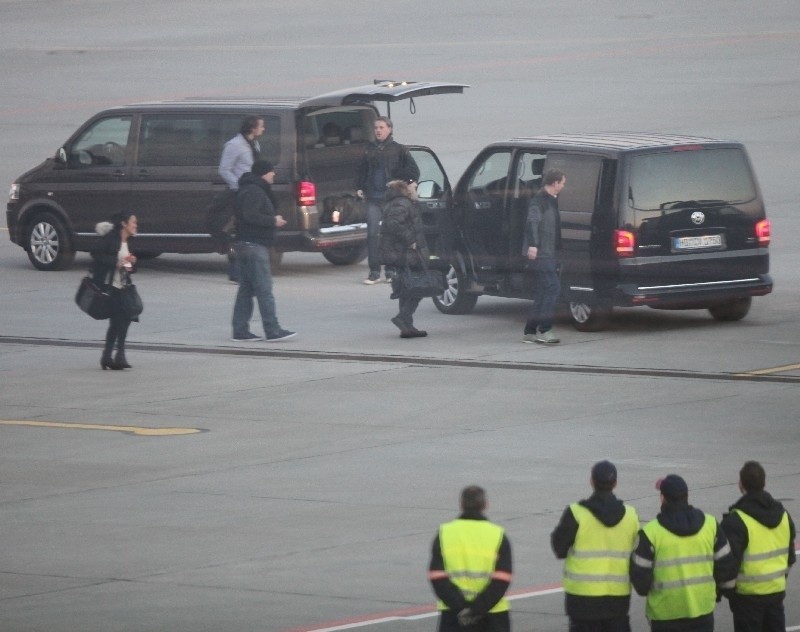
678, 179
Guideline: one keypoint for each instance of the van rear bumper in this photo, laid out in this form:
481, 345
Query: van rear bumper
692, 294
325, 239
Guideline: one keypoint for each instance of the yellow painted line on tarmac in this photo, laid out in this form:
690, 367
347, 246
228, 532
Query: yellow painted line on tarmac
137, 430
775, 369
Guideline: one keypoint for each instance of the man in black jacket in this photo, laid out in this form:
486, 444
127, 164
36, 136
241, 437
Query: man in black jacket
256, 221
470, 569
682, 559
596, 536
541, 243
761, 534
384, 160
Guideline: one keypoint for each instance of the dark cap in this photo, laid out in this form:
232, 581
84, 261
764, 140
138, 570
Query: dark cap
604, 472
672, 486
261, 167
406, 175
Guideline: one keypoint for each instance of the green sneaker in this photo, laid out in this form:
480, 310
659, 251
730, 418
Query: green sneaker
546, 338
529, 338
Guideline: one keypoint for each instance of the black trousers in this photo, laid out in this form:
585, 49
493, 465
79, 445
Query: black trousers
615, 624
757, 615
493, 622
117, 325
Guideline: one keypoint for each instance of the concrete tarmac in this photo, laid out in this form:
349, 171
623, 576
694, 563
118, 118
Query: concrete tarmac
322, 466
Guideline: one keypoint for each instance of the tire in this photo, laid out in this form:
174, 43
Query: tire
346, 255
589, 316
455, 299
733, 310
48, 243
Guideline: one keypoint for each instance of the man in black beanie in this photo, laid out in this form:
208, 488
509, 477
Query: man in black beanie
256, 221
595, 537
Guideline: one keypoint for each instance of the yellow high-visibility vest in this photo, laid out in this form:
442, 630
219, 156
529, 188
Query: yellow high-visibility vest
766, 559
469, 550
598, 562
683, 572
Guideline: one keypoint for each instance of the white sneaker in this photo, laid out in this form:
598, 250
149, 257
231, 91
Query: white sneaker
547, 337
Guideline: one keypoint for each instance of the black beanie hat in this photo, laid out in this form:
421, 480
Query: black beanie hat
261, 167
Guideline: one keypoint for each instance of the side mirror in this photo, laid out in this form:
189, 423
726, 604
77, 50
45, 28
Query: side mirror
428, 189
61, 156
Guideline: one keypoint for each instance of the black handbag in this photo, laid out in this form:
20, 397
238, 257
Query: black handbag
93, 300
130, 300
422, 282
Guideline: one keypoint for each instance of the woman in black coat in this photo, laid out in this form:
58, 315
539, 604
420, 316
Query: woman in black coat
403, 244
113, 261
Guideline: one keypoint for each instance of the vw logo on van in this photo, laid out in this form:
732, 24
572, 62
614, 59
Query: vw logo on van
698, 217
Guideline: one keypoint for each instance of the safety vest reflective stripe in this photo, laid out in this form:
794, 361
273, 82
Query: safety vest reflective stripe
683, 572
597, 563
469, 551
765, 562
598, 554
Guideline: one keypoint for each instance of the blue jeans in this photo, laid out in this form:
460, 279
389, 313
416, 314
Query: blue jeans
546, 290
374, 214
255, 281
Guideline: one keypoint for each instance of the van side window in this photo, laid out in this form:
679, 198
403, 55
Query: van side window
583, 174
196, 140
105, 143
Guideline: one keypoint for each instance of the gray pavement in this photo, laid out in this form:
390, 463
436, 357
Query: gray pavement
310, 497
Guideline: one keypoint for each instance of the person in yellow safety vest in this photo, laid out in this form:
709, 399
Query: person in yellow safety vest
470, 569
596, 537
680, 560
761, 534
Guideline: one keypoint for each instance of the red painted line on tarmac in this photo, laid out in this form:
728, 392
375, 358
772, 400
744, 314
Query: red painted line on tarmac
416, 612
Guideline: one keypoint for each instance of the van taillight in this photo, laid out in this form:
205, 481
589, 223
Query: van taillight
624, 243
763, 232
306, 193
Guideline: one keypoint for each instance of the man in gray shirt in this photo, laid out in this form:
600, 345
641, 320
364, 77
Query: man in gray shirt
237, 159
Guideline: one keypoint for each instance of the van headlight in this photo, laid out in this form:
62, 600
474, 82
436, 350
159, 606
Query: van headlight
13, 192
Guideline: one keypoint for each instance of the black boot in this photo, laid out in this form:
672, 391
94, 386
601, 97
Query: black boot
120, 360
107, 363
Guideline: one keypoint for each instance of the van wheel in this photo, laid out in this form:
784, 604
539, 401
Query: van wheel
48, 243
732, 310
346, 255
455, 300
589, 316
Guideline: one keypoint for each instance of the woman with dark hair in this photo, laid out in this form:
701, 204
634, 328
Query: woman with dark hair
402, 243
113, 262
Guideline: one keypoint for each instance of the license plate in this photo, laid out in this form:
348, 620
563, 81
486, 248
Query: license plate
700, 241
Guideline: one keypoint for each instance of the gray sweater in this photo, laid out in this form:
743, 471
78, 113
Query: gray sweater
543, 226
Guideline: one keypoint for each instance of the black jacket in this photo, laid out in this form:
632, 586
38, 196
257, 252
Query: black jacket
766, 510
401, 226
255, 211
542, 226
106, 255
381, 163
609, 510
682, 519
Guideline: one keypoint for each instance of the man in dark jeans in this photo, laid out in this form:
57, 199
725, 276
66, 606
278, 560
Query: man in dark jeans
542, 241
256, 222
383, 161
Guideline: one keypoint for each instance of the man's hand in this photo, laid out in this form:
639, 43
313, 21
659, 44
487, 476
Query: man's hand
467, 618
532, 252
360, 194
279, 221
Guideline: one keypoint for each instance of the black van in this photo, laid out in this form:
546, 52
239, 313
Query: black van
160, 160
671, 222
